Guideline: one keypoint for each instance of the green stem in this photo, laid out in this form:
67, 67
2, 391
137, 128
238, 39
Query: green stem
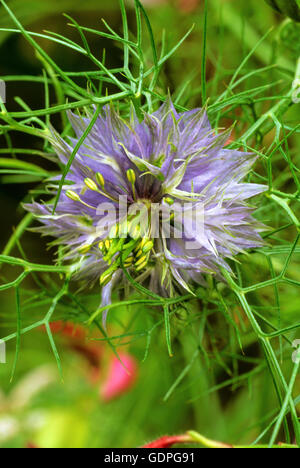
209, 443
274, 365
232, 21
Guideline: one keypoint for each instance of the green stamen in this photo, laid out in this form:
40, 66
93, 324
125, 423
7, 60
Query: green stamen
75, 197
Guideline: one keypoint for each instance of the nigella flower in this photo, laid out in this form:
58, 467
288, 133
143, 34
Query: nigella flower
170, 163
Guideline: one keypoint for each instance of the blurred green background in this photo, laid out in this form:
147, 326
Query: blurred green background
224, 393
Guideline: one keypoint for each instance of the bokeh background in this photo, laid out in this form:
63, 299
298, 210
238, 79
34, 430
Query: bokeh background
99, 404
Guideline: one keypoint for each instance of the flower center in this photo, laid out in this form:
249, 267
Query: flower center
129, 243
124, 251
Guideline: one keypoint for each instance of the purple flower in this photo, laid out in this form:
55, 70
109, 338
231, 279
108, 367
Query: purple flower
172, 165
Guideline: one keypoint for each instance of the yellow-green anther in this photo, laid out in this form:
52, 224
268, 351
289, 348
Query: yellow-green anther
143, 265
147, 247
84, 249
72, 195
139, 253
169, 200
91, 184
107, 244
128, 261
131, 176
100, 179
141, 260
105, 278
101, 245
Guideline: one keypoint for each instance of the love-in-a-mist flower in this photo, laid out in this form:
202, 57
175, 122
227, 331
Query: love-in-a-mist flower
160, 197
